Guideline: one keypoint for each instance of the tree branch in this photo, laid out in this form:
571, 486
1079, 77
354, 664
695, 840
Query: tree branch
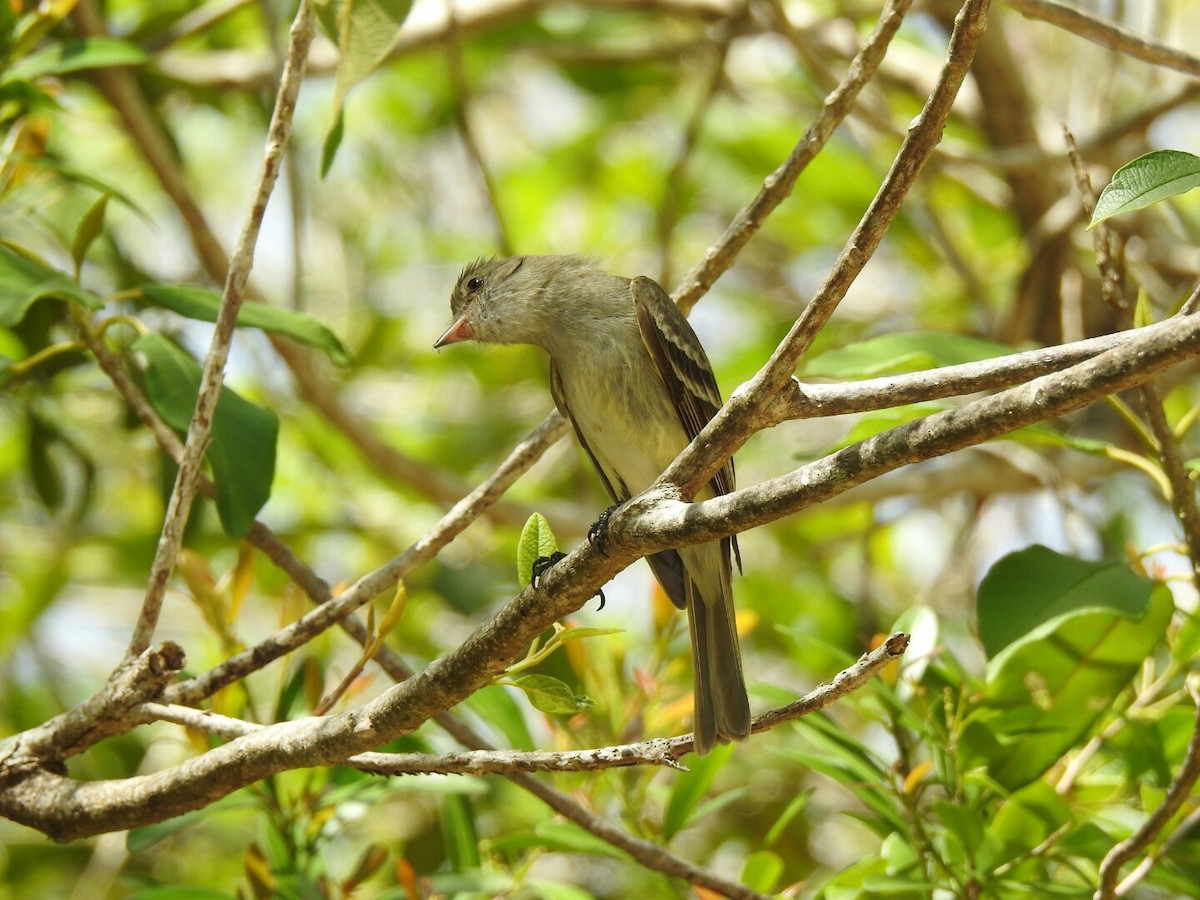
778, 185
1107, 33
658, 519
1177, 794
742, 415
200, 428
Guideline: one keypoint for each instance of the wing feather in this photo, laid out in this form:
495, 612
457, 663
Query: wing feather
683, 367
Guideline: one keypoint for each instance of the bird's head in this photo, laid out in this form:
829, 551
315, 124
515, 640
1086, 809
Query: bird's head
516, 300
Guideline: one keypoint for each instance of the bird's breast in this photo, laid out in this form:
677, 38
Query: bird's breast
627, 419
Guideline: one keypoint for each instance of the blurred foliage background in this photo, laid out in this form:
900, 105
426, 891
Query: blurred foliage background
632, 131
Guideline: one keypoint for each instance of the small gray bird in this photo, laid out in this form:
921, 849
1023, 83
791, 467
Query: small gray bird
632, 377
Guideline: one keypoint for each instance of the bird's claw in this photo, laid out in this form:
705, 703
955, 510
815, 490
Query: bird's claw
543, 563
598, 533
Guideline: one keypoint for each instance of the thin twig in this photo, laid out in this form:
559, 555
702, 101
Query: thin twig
1107, 33
738, 419
333, 610
1142, 869
669, 207
778, 185
1178, 792
200, 428
806, 400
466, 131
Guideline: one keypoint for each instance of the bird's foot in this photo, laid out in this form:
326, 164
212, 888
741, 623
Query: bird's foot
543, 563
598, 533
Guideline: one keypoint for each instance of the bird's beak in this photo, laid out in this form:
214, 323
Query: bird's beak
459, 331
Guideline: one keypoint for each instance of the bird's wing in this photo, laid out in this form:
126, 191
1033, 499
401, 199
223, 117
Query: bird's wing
683, 367
682, 364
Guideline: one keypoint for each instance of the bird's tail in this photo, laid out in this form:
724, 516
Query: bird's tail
722, 708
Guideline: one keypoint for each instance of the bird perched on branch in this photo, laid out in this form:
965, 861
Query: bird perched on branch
630, 374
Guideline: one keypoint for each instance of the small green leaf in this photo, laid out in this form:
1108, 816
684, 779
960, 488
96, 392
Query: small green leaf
459, 833
333, 140
901, 352
574, 634
536, 540
1024, 820
47, 481
25, 279
504, 712
202, 304
570, 838
1143, 314
794, 807
75, 55
87, 231
53, 456
762, 871
690, 788
1031, 586
549, 695
1151, 177
242, 453
1042, 434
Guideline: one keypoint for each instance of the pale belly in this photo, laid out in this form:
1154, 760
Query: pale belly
618, 429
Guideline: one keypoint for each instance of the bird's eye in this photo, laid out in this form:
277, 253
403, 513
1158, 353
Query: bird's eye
475, 285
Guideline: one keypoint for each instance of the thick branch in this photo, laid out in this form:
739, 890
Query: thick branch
670, 523
808, 400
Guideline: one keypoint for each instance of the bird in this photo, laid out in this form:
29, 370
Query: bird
629, 373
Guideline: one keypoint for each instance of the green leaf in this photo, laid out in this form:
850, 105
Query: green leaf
364, 31
549, 695
53, 455
574, 634
878, 421
762, 870
570, 838
1047, 689
87, 231
178, 892
901, 352
332, 140
458, 831
690, 788
557, 890
203, 304
25, 279
536, 540
1042, 434
1031, 586
1151, 177
75, 55
242, 453
1024, 820
504, 712
795, 805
